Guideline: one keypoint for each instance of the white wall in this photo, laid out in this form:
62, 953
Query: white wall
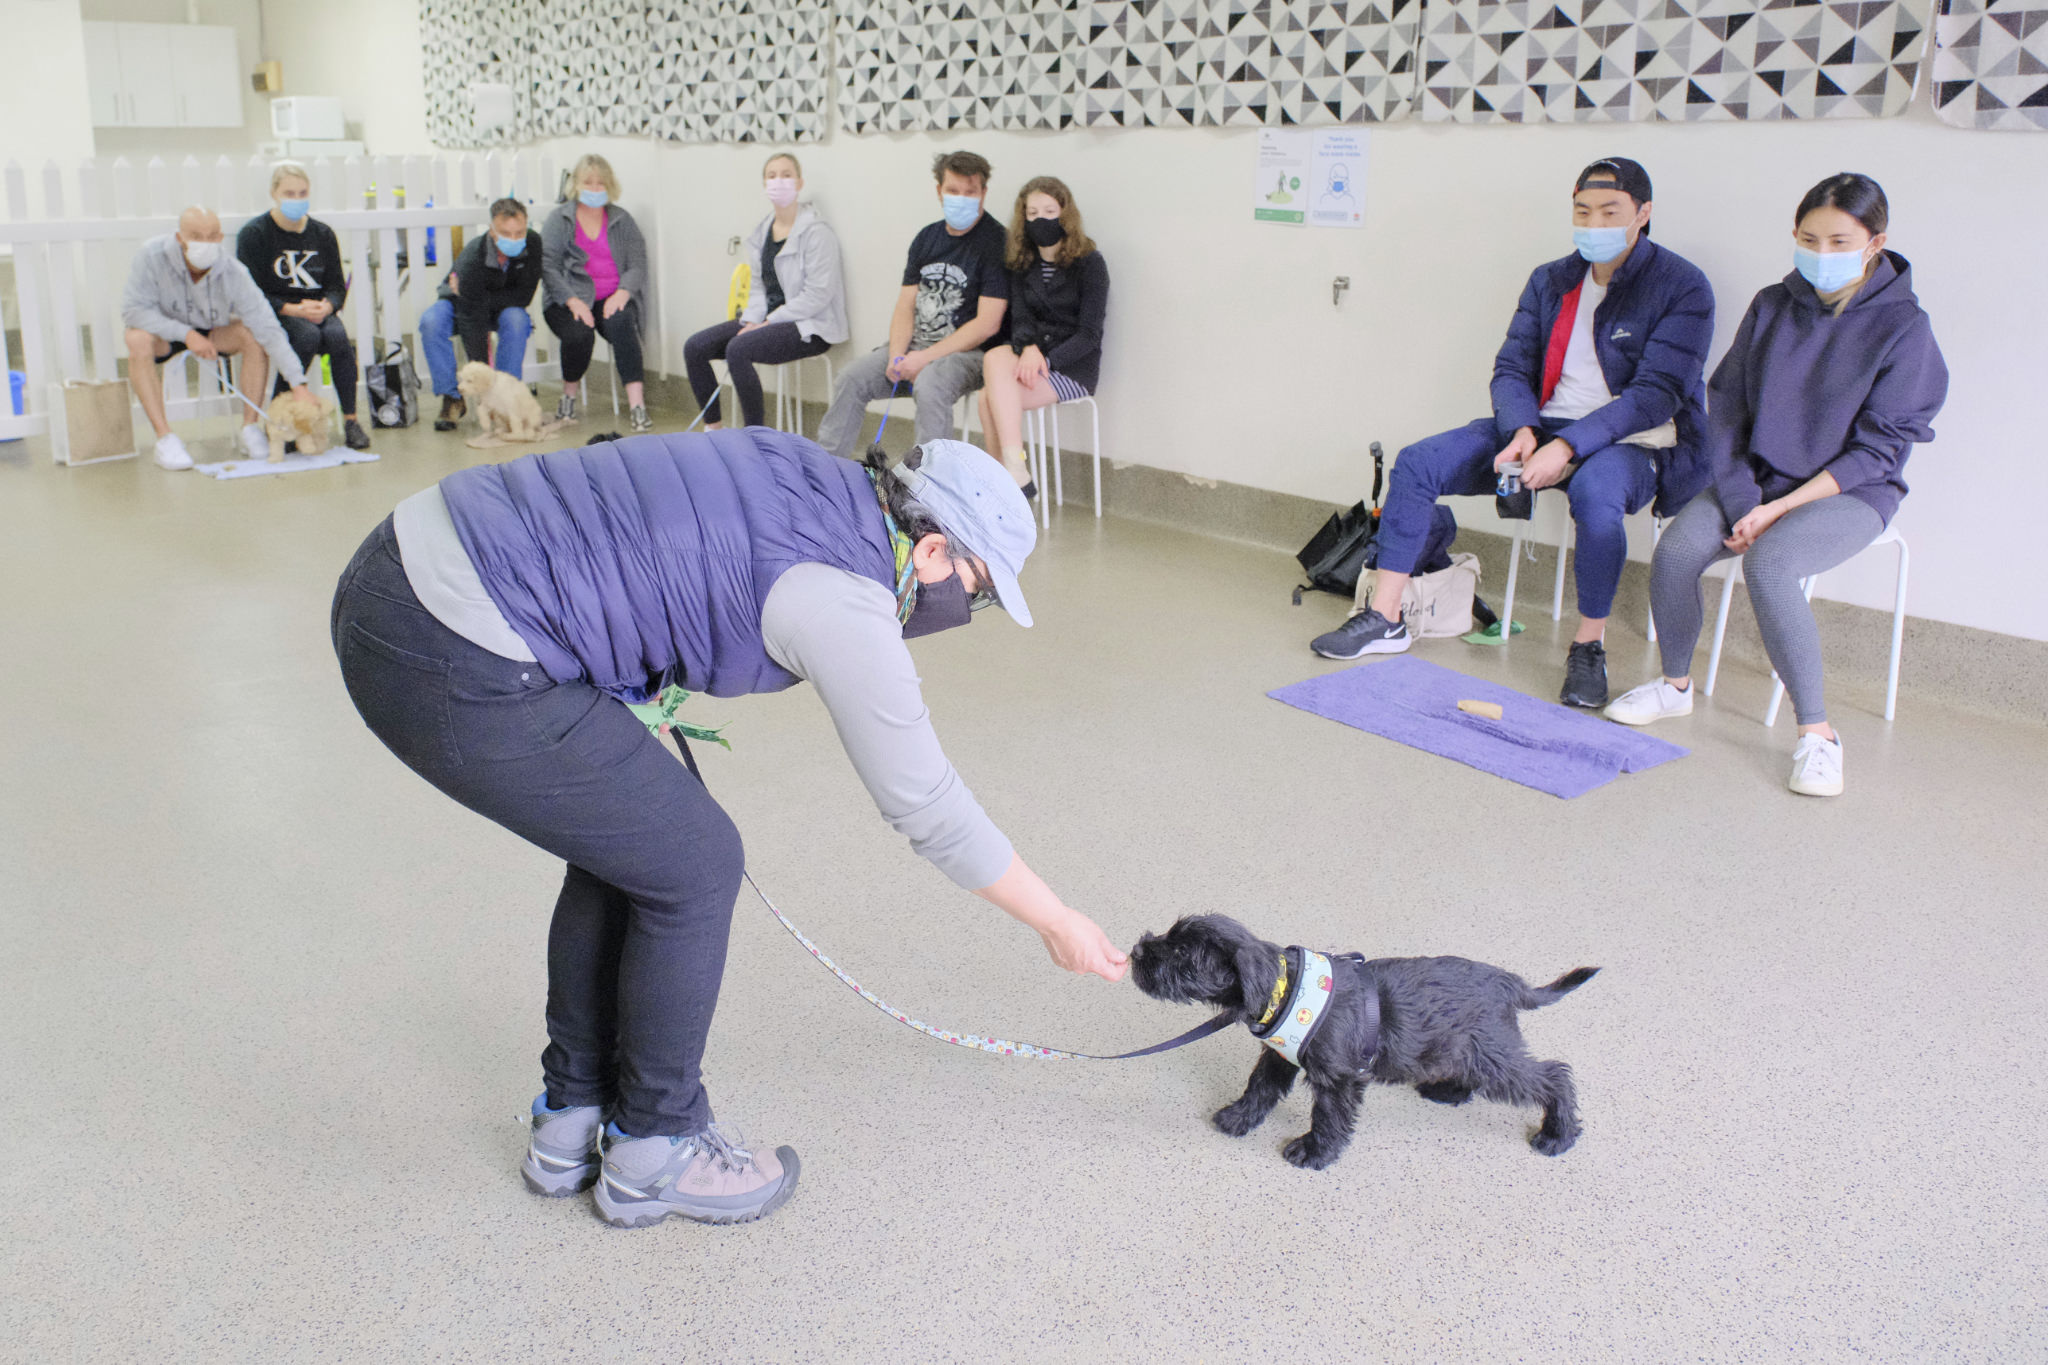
1227, 361
45, 113
365, 51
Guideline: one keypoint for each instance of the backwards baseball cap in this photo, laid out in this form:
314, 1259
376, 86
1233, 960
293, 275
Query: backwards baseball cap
1628, 176
982, 510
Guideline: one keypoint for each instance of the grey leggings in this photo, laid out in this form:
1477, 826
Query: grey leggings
1805, 541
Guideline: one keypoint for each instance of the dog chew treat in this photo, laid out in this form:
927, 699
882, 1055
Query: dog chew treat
1489, 709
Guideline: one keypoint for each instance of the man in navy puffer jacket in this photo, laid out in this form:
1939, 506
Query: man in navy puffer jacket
1597, 390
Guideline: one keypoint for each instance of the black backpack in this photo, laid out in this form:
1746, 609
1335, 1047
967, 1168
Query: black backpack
1349, 542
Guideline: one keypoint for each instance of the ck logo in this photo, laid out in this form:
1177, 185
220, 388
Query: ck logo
290, 267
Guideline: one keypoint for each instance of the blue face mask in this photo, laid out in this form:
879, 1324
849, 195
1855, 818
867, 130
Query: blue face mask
1600, 245
595, 199
511, 246
961, 210
295, 209
1827, 271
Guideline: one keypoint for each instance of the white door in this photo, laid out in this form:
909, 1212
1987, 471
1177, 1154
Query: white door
146, 76
206, 74
103, 75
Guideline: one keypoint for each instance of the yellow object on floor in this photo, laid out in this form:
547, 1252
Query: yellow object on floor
1489, 709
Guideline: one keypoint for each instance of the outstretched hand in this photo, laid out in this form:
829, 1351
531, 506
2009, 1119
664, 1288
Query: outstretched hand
1079, 945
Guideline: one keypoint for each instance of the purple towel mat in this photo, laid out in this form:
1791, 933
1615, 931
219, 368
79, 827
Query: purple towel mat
1538, 744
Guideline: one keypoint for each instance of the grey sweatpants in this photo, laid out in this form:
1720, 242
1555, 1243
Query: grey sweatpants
1805, 541
937, 388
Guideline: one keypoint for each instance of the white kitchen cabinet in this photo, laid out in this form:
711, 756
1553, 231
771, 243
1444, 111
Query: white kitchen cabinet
163, 75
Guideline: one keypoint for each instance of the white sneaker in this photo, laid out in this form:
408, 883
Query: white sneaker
1654, 700
1817, 766
171, 453
255, 445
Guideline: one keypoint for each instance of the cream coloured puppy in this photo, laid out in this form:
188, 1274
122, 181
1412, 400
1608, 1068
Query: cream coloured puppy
503, 406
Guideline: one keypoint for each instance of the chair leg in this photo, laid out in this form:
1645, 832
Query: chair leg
1507, 606
1720, 629
1891, 686
1564, 544
1095, 448
613, 370
1052, 453
1656, 535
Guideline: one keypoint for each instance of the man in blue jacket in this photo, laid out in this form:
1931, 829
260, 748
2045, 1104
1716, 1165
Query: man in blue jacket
1597, 390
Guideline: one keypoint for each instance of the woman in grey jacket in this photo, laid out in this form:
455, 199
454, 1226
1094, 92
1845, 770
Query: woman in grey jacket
795, 310
593, 273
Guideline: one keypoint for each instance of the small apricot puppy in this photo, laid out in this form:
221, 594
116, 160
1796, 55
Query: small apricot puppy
503, 406
306, 422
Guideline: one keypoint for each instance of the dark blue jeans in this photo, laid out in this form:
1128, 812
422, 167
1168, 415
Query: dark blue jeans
636, 951
1607, 486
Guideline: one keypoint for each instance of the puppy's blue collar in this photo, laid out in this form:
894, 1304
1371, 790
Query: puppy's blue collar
1311, 981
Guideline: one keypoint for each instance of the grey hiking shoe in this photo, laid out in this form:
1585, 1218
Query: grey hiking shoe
708, 1177
561, 1156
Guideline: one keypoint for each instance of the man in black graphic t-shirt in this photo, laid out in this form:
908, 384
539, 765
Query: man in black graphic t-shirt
951, 308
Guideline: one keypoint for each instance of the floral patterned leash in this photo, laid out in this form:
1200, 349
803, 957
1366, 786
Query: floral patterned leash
659, 716
1001, 1046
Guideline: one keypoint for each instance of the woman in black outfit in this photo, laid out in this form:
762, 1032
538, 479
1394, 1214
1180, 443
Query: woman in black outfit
1059, 291
296, 262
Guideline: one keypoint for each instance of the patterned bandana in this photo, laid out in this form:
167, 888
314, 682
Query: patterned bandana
906, 581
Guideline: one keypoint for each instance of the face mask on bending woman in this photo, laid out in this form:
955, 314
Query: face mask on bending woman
940, 606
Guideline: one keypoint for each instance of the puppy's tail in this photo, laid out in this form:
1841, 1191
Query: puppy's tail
1536, 997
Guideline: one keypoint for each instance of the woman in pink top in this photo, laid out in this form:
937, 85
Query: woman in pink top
593, 273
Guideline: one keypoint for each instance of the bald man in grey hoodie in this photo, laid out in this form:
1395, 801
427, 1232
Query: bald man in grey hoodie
186, 292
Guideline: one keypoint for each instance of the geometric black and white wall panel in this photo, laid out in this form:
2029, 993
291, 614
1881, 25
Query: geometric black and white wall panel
1267, 63
1724, 59
1527, 61
466, 42
965, 64
589, 66
1991, 64
738, 70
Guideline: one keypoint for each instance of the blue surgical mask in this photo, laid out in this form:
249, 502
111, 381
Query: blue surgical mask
295, 209
511, 246
1828, 271
595, 199
1600, 245
961, 210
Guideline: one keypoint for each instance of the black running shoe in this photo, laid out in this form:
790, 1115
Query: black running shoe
353, 435
1366, 633
1585, 676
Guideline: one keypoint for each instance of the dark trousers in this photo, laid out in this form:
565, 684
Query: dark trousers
309, 339
621, 329
637, 948
1607, 486
778, 343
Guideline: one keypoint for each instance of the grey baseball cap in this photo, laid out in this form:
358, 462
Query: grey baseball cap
983, 511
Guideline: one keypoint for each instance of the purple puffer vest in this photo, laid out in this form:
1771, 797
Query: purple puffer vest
637, 563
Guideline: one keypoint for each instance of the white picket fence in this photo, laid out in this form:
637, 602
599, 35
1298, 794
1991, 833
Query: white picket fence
71, 259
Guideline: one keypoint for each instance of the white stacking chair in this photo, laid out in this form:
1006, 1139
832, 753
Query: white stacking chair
789, 407
1042, 450
1890, 536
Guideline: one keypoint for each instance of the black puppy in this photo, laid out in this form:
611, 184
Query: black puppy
1445, 1025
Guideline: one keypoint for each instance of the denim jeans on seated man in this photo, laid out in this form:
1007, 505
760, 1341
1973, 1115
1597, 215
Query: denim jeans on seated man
437, 338
936, 389
1603, 488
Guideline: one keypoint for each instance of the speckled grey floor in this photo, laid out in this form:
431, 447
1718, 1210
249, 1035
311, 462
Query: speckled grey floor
273, 1006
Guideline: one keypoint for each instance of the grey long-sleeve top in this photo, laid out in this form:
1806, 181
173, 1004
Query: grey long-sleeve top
565, 266
808, 269
832, 628
163, 299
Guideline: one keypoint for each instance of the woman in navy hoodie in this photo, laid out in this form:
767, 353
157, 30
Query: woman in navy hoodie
1832, 378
